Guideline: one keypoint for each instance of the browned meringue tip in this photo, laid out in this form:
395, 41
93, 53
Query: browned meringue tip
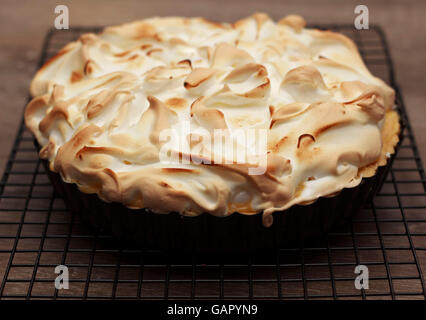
294, 21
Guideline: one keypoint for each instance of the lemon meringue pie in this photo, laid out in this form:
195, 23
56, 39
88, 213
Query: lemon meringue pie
102, 103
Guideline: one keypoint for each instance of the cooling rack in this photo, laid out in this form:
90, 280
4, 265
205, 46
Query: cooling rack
37, 233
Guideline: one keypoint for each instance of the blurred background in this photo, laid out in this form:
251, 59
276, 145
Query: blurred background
23, 25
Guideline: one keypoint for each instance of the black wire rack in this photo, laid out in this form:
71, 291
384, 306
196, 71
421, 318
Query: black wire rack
37, 233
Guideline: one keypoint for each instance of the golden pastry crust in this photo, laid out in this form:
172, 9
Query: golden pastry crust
101, 107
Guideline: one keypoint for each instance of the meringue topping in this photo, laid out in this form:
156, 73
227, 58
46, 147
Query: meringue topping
102, 104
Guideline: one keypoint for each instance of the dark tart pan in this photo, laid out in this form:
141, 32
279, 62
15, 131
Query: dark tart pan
237, 232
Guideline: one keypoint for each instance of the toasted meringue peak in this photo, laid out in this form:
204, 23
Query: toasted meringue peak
105, 105
294, 21
197, 76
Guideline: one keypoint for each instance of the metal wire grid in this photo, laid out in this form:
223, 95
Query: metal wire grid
37, 233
